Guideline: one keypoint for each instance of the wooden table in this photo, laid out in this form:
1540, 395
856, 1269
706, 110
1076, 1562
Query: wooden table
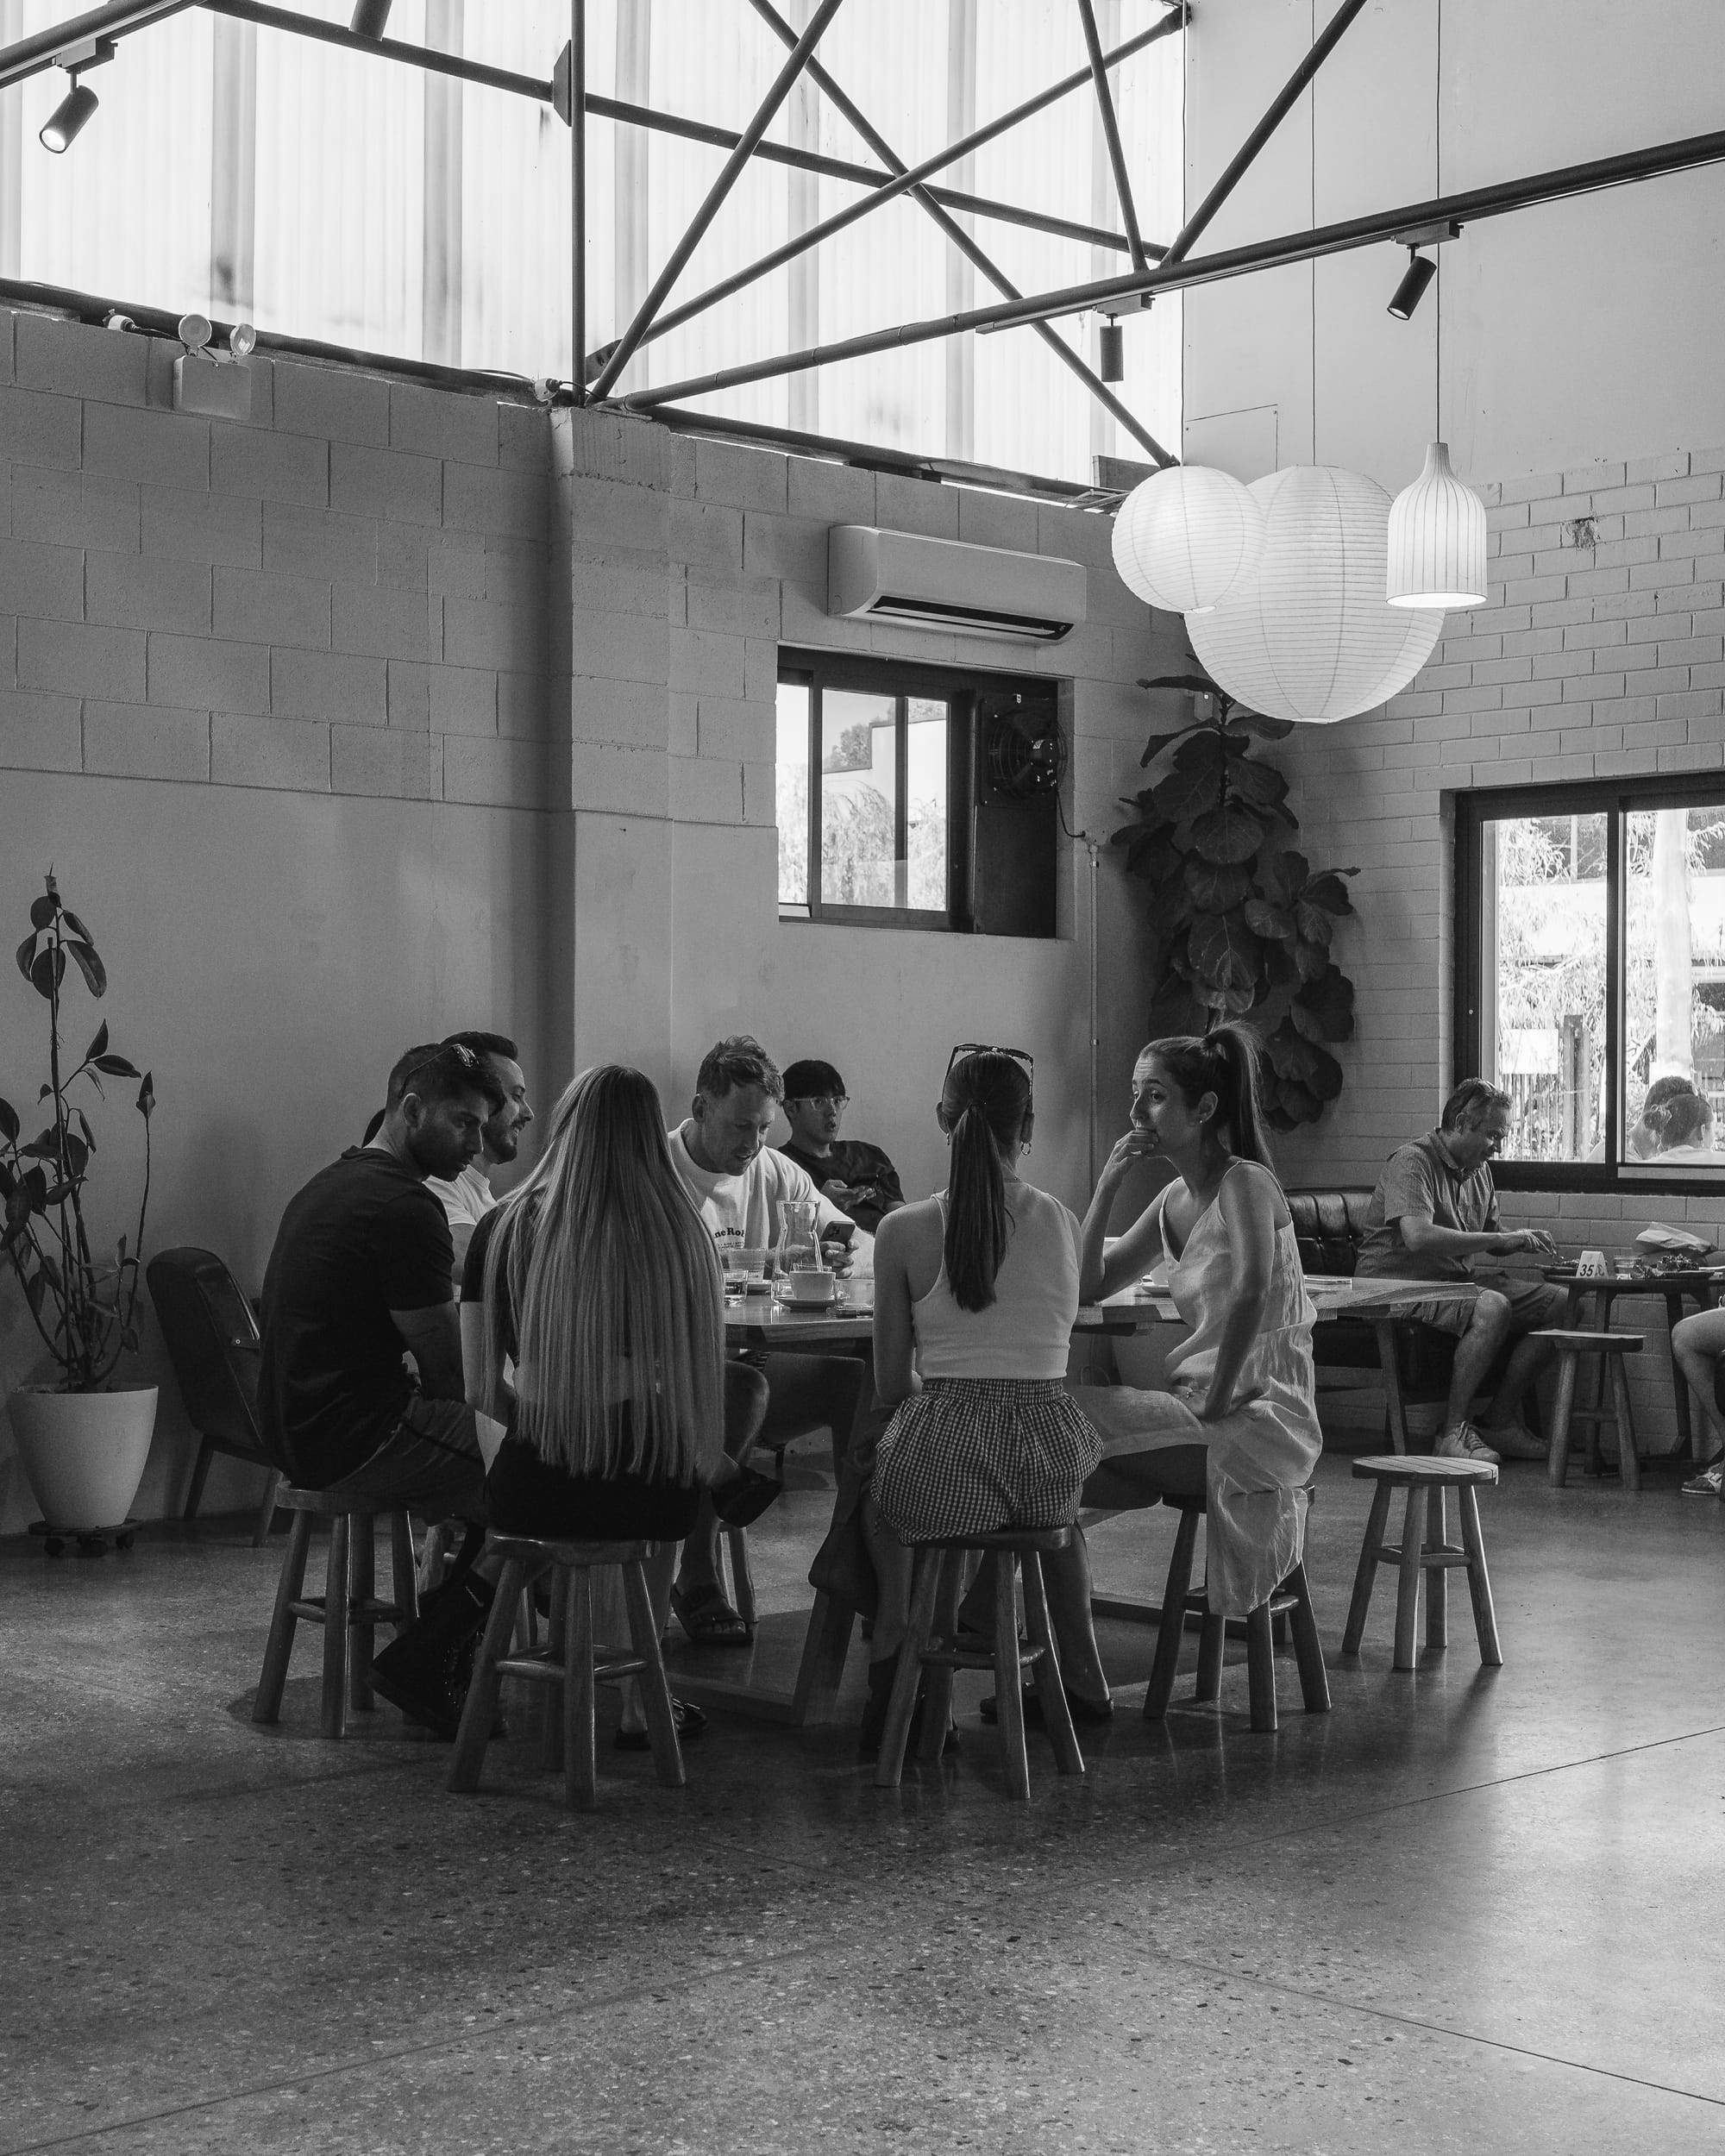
760, 1324
1700, 1283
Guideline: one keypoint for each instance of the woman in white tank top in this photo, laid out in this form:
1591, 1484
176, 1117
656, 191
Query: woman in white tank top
975, 1291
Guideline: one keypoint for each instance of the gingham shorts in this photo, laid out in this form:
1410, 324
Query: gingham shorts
972, 1455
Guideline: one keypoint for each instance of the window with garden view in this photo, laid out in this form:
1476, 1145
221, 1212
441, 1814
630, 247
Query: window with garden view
866, 757
1592, 976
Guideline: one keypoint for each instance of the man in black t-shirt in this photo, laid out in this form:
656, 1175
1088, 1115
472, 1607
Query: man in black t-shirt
858, 1179
360, 1271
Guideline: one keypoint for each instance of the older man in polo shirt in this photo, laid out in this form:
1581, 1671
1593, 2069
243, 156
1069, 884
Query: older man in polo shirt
1434, 1209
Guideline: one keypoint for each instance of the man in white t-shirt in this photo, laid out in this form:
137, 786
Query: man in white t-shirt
469, 1197
739, 1182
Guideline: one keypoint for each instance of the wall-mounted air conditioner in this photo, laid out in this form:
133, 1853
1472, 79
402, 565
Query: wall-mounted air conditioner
900, 576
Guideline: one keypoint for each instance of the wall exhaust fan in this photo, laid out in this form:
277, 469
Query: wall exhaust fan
923, 583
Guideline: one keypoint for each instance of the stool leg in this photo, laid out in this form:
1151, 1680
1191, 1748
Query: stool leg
1478, 1580
1438, 1583
1260, 1669
1160, 1689
337, 1591
1309, 1648
362, 1564
480, 1707
655, 1689
1407, 1588
403, 1574
936, 1696
551, 1745
1056, 1715
1008, 1683
890, 1767
742, 1577
261, 1533
1558, 1464
278, 1649
580, 1768
1212, 1650
1627, 1465
1369, 1556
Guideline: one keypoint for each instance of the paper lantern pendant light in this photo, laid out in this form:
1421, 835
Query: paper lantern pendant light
1309, 635
1437, 539
1186, 538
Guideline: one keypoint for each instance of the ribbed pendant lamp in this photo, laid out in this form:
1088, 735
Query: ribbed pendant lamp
1437, 540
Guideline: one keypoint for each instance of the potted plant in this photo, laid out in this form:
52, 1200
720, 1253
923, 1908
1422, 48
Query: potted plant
1241, 921
83, 1439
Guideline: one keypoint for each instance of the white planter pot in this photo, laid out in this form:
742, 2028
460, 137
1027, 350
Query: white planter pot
84, 1452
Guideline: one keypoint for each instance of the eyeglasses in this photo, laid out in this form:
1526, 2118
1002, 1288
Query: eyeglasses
839, 1100
982, 1048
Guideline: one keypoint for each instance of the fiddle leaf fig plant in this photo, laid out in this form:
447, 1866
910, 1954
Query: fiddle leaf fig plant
1241, 924
84, 1309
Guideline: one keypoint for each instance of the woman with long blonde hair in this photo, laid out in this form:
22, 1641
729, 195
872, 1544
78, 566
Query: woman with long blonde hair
598, 1281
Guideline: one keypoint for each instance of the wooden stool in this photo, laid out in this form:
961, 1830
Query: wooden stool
1423, 1547
937, 1581
349, 1588
1611, 1347
575, 1669
1290, 1606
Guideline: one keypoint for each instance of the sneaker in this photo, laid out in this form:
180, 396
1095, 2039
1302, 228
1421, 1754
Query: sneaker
1707, 1483
1515, 1441
1464, 1442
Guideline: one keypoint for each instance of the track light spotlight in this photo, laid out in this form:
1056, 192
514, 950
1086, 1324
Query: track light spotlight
1412, 290
242, 340
69, 117
1110, 353
370, 17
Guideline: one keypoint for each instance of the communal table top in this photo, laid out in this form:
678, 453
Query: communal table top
1136, 1309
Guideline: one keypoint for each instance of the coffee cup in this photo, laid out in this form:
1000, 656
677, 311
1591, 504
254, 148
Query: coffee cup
813, 1286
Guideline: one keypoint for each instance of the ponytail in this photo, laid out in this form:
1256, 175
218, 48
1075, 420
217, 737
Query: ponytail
1223, 1061
985, 1104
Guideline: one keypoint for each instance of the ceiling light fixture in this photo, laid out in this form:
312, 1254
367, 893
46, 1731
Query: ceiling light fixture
370, 18
72, 114
1412, 290
1111, 351
1436, 544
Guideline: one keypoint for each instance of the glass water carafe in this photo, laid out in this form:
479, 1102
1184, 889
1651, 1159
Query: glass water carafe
797, 1249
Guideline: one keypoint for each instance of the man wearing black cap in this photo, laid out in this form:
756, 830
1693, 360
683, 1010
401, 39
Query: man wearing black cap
859, 1179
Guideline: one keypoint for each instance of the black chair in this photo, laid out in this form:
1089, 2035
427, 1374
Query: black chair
1413, 1361
212, 1342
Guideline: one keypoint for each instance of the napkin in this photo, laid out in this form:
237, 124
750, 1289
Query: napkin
1656, 1236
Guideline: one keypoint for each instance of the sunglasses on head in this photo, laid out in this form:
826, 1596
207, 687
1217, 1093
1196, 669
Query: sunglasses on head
983, 1048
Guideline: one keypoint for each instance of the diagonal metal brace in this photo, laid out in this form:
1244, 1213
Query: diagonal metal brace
625, 349
1111, 132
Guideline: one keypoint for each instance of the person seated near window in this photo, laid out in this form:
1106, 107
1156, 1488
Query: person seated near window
975, 1292
1434, 1209
1238, 1423
859, 1179
1675, 1120
600, 1284
739, 1183
360, 1272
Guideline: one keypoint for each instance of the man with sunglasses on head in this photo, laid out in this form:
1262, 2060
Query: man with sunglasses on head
858, 1178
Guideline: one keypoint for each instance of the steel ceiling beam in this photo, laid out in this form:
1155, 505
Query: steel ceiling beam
1560, 185
840, 168
1329, 38
35, 54
885, 190
623, 350
962, 240
384, 47
1111, 133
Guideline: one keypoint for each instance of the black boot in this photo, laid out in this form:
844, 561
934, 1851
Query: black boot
426, 1671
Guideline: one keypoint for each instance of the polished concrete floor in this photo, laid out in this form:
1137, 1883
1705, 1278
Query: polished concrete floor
1468, 1910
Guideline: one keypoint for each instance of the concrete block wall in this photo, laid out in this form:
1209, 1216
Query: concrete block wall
346, 594
1600, 654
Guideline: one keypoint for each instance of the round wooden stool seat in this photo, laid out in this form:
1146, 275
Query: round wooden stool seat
1423, 1547
532, 1549
1610, 1348
1043, 1540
